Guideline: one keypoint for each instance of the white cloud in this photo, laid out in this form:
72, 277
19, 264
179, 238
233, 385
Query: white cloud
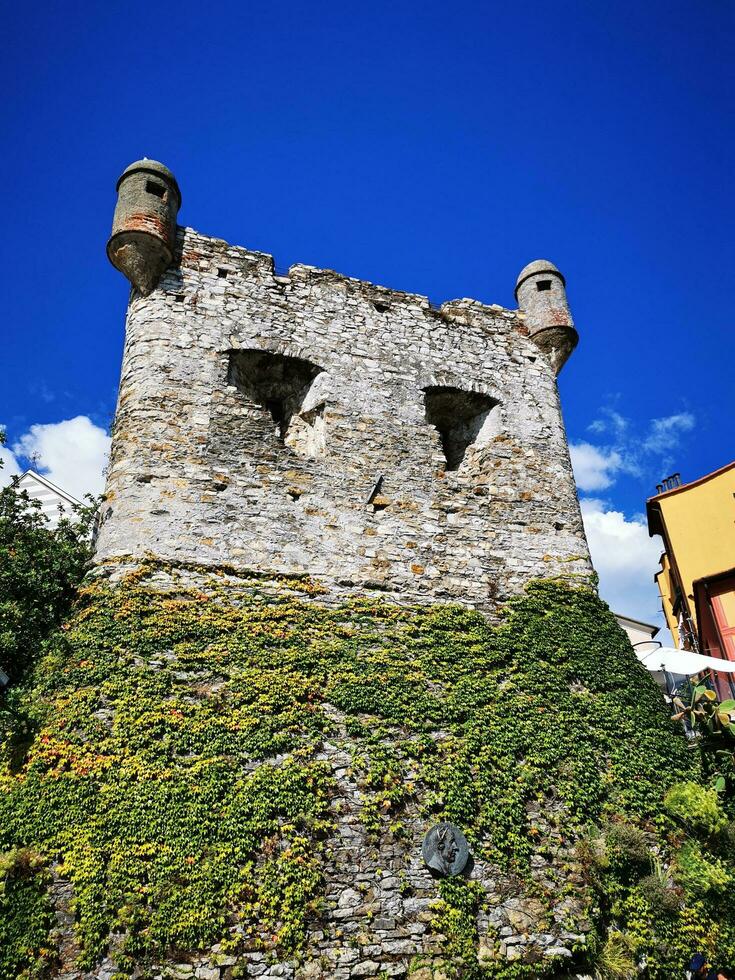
72, 453
644, 454
665, 433
594, 468
9, 466
623, 554
611, 422
625, 558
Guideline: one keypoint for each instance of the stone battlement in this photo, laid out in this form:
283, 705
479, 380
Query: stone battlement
237, 259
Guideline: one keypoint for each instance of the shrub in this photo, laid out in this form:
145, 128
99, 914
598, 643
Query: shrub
697, 807
657, 889
591, 851
698, 874
616, 960
627, 846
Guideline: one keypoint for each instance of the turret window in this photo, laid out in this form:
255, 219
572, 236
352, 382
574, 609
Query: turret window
543, 285
157, 190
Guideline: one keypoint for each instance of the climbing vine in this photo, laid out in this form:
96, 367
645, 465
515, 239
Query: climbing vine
173, 774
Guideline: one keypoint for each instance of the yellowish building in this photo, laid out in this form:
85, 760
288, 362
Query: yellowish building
697, 577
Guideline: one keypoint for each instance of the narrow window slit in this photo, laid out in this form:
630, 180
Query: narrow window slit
157, 190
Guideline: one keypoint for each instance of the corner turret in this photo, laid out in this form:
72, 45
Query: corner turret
541, 295
144, 226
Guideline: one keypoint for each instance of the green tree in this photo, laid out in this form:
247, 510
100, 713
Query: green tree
40, 570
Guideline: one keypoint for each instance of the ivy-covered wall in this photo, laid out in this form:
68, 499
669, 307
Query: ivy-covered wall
216, 781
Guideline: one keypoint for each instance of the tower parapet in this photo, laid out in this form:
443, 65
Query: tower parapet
144, 226
541, 295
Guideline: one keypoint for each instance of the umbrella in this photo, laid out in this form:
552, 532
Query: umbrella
684, 662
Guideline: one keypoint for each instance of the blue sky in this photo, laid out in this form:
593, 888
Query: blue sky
435, 148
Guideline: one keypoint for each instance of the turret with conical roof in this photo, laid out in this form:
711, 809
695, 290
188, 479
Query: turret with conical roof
541, 295
144, 226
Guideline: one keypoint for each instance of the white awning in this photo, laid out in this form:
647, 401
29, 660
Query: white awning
684, 662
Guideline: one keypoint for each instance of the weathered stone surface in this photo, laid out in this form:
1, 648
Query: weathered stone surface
315, 424
368, 968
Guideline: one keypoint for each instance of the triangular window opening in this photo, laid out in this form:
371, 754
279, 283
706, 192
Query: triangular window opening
458, 416
279, 385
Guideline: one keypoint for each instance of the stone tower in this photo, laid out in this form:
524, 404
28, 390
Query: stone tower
309, 423
289, 733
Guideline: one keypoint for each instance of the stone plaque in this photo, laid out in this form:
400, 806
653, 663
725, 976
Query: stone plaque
445, 850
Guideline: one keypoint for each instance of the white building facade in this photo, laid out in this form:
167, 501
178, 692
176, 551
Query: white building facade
54, 501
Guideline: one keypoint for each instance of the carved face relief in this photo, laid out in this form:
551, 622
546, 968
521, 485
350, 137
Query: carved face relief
445, 850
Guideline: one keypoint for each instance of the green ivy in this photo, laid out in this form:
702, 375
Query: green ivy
25, 916
173, 776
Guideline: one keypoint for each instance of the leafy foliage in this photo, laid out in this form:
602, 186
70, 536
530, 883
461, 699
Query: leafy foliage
173, 775
714, 723
25, 915
681, 907
658, 888
616, 960
627, 846
697, 807
40, 571
699, 874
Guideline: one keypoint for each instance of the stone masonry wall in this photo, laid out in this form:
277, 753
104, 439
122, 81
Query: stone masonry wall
312, 423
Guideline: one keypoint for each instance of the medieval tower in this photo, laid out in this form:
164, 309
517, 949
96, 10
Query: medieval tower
308, 423
337, 699
379, 457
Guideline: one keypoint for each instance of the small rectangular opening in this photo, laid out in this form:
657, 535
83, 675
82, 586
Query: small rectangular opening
222, 273
158, 190
543, 285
